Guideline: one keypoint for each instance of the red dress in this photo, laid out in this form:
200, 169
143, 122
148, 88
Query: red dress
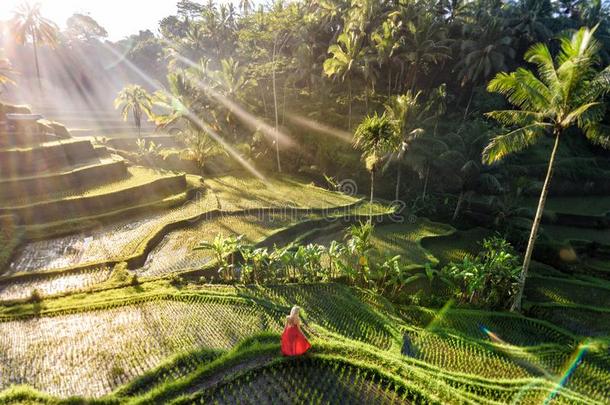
294, 343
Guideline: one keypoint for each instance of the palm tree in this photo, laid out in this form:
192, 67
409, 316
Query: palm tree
374, 138
245, 6
29, 25
347, 54
6, 71
407, 114
487, 53
425, 157
134, 99
386, 45
425, 46
530, 21
567, 93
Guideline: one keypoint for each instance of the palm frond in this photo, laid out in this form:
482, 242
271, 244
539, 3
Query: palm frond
523, 89
516, 117
540, 55
514, 141
598, 134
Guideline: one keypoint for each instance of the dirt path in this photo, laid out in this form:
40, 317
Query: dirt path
217, 378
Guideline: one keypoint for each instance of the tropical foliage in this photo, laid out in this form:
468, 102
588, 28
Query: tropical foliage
568, 92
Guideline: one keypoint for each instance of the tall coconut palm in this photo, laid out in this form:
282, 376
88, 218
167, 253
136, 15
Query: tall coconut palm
385, 45
489, 51
425, 46
374, 138
407, 113
347, 55
29, 25
566, 93
136, 100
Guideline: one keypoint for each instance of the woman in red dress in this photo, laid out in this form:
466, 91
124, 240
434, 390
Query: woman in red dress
294, 343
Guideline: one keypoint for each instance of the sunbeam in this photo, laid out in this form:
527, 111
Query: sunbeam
246, 117
319, 127
202, 125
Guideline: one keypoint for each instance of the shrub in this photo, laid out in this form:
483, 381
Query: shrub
35, 296
176, 280
134, 280
120, 274
488, 280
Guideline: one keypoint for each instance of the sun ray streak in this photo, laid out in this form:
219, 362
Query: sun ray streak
241, 112
202, 125
319, 127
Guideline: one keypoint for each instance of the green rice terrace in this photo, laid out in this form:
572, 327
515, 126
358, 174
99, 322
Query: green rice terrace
305, 202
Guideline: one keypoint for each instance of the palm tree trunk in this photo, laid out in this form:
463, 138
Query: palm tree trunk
390, 82
284, 103
534, 233
468, 105
398, 173
399, 78
458, 206
263, 98
277, 137
349, 96
372, 184
35, 46
414, 79
426, 182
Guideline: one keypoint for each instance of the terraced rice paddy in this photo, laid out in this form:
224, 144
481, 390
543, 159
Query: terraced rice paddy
303, 382
175, 252
54, 283
592, 205
122, 239
157, 342
110, 242
92, 353
404, 239
567, 233
137, 176
237, 193
454, 247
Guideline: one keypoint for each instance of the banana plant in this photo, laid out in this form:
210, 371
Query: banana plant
224, 249
336, 252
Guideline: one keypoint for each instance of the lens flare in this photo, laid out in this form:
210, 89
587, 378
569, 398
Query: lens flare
494, 338
440, 315
571, 366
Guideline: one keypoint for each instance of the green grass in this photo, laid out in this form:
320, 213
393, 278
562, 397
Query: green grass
235, 193
404, 239
206, 345
454, 247
583, 205
136, 176
567, 233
